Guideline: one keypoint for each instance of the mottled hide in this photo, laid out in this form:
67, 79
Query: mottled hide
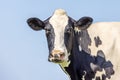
84, 51
103, 37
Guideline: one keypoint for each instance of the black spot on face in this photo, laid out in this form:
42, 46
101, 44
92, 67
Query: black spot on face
68, 38
50, 35
68, 35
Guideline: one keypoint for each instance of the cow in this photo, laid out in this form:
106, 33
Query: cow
84, 51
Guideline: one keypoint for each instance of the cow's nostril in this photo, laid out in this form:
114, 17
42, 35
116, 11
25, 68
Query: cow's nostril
56, 56
62, 55
59, 55
51, 58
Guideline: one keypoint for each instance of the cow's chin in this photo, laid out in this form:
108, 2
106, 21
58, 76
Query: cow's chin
58, 61
62, 60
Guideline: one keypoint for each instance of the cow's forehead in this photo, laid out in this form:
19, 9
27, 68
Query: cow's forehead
59, 19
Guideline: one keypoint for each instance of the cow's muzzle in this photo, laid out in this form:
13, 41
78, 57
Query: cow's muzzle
56, 56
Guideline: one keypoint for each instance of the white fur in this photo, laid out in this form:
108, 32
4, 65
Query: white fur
59, 20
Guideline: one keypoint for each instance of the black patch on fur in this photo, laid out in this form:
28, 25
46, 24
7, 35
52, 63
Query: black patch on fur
101, 63
97, 78
50, 35
80, 66
68, 35
84, 40
97, 41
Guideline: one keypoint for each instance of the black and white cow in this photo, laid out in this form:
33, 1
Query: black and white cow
84, 51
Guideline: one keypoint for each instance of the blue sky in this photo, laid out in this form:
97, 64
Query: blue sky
24, 52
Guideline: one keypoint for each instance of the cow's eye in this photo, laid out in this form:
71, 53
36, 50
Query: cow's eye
69, 30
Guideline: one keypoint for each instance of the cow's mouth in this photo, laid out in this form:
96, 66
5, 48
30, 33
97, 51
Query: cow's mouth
57, 61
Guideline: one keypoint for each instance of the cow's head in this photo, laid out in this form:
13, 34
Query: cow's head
59, 30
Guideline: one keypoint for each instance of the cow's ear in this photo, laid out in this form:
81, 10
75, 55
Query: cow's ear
84, 22
36, 24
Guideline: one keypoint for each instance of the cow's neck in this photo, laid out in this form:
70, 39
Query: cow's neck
79, 62
70, 67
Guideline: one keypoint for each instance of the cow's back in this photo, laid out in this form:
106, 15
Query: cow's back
105, 37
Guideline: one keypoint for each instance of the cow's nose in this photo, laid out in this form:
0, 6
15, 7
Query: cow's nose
56, 56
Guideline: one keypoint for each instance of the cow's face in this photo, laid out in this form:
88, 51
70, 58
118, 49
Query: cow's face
59, 32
